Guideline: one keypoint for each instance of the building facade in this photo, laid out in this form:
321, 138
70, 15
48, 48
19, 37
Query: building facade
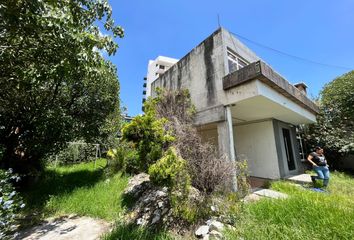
243, 106
156, 68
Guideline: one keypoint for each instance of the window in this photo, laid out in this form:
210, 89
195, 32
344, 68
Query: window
235, 62
162, 67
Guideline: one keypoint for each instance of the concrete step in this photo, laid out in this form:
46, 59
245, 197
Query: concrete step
301, 178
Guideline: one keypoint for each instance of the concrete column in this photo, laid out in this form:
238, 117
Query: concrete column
226, 140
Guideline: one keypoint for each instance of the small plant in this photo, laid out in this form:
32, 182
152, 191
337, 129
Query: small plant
243, 185
123, 158
10, 204
170, 170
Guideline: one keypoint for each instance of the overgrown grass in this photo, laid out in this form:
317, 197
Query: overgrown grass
128, 231
304, 215
77, 189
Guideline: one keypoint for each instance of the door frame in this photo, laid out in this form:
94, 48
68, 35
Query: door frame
282, 160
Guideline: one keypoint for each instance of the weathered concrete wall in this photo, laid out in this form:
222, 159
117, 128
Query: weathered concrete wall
256, 142
233, 44
201, 70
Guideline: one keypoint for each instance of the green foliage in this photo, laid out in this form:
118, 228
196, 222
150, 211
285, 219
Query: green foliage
74, 153
124, 158
335, 123
170, 170
242, 174
10, 204
149, 137
56, 84
186, 210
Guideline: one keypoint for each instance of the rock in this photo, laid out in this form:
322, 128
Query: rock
157, 212
213, 208
160, 204
151, 205
251, 198
195, 195
213, 234
137, 185
164, 211
156, 218
202, 231
139, 221
160, 193
215, 225
205, 237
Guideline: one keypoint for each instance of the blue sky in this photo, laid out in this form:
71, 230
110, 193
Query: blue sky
320, 30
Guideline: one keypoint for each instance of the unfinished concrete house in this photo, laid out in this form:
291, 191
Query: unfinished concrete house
243, 106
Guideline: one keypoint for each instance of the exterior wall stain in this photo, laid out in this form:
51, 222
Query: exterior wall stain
209, 70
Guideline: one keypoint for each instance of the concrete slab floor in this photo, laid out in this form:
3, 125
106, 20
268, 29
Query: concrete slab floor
270, 194
301, 178
65, 228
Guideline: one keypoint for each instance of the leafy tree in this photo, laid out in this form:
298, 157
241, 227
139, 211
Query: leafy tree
335, 123
55, 84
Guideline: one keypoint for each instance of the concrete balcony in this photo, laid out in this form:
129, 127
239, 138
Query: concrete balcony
262, 72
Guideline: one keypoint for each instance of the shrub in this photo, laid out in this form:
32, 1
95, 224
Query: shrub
149, 137
10, 204
171, 171
209, 170
75, 153
123, 158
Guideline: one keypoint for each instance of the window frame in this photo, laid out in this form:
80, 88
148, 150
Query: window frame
236, 59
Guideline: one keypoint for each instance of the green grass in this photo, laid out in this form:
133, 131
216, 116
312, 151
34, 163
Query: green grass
304, 215
84, 189
79, 189
128, 231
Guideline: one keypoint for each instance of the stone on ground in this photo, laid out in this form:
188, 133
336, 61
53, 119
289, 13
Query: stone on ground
215, 225
252, 198
270, 194
65, 228
202, 231
151, 204
213, 234
302, 178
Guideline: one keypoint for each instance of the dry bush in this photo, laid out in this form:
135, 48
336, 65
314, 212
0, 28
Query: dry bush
209, 170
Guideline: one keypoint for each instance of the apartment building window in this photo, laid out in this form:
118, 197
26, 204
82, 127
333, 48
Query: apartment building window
162, 67
235, 62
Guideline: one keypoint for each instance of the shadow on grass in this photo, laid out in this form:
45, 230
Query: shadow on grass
56, 183
123, 231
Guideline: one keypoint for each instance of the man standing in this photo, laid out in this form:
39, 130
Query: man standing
319, 164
